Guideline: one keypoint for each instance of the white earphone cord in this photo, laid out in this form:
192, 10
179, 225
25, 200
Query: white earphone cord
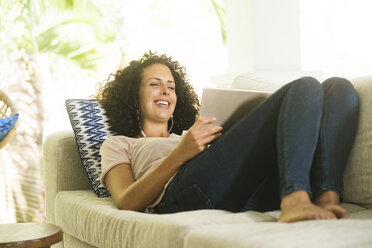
144, 135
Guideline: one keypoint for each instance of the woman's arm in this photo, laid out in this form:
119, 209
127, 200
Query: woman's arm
129, 194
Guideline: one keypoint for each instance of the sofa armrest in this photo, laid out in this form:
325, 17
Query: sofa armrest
62, 168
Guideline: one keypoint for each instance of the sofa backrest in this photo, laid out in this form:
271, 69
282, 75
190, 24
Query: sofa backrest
358, 174
62, 168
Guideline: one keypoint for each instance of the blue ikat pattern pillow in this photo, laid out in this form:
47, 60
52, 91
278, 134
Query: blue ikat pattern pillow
6, 124
91, 128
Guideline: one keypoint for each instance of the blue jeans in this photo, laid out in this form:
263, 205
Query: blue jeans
297, 139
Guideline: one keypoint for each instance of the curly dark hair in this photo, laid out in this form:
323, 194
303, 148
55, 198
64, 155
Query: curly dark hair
120, 96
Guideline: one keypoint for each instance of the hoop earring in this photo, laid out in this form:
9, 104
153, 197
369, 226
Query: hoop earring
139, 123
171, 124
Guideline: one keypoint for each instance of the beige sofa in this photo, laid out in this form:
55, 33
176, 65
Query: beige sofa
90, 221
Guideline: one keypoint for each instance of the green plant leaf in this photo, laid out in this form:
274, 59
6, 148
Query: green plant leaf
220, 12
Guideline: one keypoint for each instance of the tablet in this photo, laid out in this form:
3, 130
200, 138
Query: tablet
229, 105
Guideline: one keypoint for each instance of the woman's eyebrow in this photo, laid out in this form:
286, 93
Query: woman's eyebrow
159, 79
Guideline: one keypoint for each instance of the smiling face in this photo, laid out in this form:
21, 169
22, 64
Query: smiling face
157, 95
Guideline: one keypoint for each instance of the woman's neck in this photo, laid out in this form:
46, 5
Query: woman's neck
155, 131
151, 134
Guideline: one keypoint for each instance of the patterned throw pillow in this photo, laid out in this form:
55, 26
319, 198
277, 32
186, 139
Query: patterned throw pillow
90, 127
6, 124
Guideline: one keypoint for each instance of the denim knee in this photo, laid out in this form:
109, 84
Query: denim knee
309, 84
339, 84
343, 82
307, 80
342, 89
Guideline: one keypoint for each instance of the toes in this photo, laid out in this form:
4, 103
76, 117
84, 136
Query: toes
337, 210
311, 212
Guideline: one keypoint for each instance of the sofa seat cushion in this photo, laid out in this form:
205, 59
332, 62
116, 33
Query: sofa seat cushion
322, 233
98, 222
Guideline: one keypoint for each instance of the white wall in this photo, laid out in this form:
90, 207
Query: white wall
336, 37
263, 35
283, 39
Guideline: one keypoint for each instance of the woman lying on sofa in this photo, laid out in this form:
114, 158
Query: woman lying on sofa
288, 153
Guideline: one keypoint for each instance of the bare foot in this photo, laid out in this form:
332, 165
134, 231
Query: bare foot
329, 200
305, 212
297, 206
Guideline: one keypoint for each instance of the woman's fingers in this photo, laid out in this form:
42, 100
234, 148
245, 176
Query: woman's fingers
202, 133
204, 121
207, 135
211, 138
213, 129
206, 141
206, 127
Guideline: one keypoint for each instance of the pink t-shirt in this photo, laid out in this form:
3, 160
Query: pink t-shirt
142, 154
